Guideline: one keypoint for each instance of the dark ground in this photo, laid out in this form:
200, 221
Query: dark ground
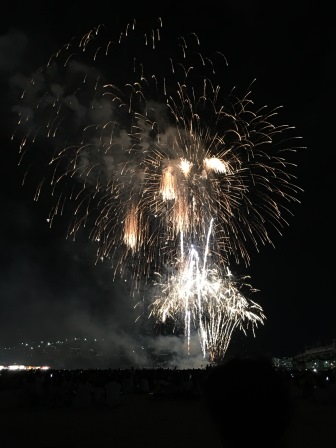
143, 421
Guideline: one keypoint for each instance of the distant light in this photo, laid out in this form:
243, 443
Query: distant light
16, 367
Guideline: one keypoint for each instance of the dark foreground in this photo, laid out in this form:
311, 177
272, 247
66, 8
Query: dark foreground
143, 421
147, 419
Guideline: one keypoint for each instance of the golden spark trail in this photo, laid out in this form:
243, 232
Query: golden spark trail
148, 149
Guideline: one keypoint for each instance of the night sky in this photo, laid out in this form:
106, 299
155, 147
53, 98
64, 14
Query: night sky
50, 286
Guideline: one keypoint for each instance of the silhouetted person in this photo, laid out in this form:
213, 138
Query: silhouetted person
249, 402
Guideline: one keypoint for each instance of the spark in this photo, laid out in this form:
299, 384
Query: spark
203, 298
149, 148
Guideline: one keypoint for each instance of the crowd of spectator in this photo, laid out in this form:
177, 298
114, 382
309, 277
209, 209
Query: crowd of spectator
110, 387
101, 388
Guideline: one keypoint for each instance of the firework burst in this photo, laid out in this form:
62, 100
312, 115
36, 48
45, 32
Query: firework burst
198, 295
153, 157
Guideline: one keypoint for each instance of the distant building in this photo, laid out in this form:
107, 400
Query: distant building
321, 357
283, 363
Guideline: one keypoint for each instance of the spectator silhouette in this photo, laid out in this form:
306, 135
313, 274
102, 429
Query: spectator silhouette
83, 397
113, 391
249, 403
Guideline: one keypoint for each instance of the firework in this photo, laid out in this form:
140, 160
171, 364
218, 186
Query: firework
150, 158
206, 299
